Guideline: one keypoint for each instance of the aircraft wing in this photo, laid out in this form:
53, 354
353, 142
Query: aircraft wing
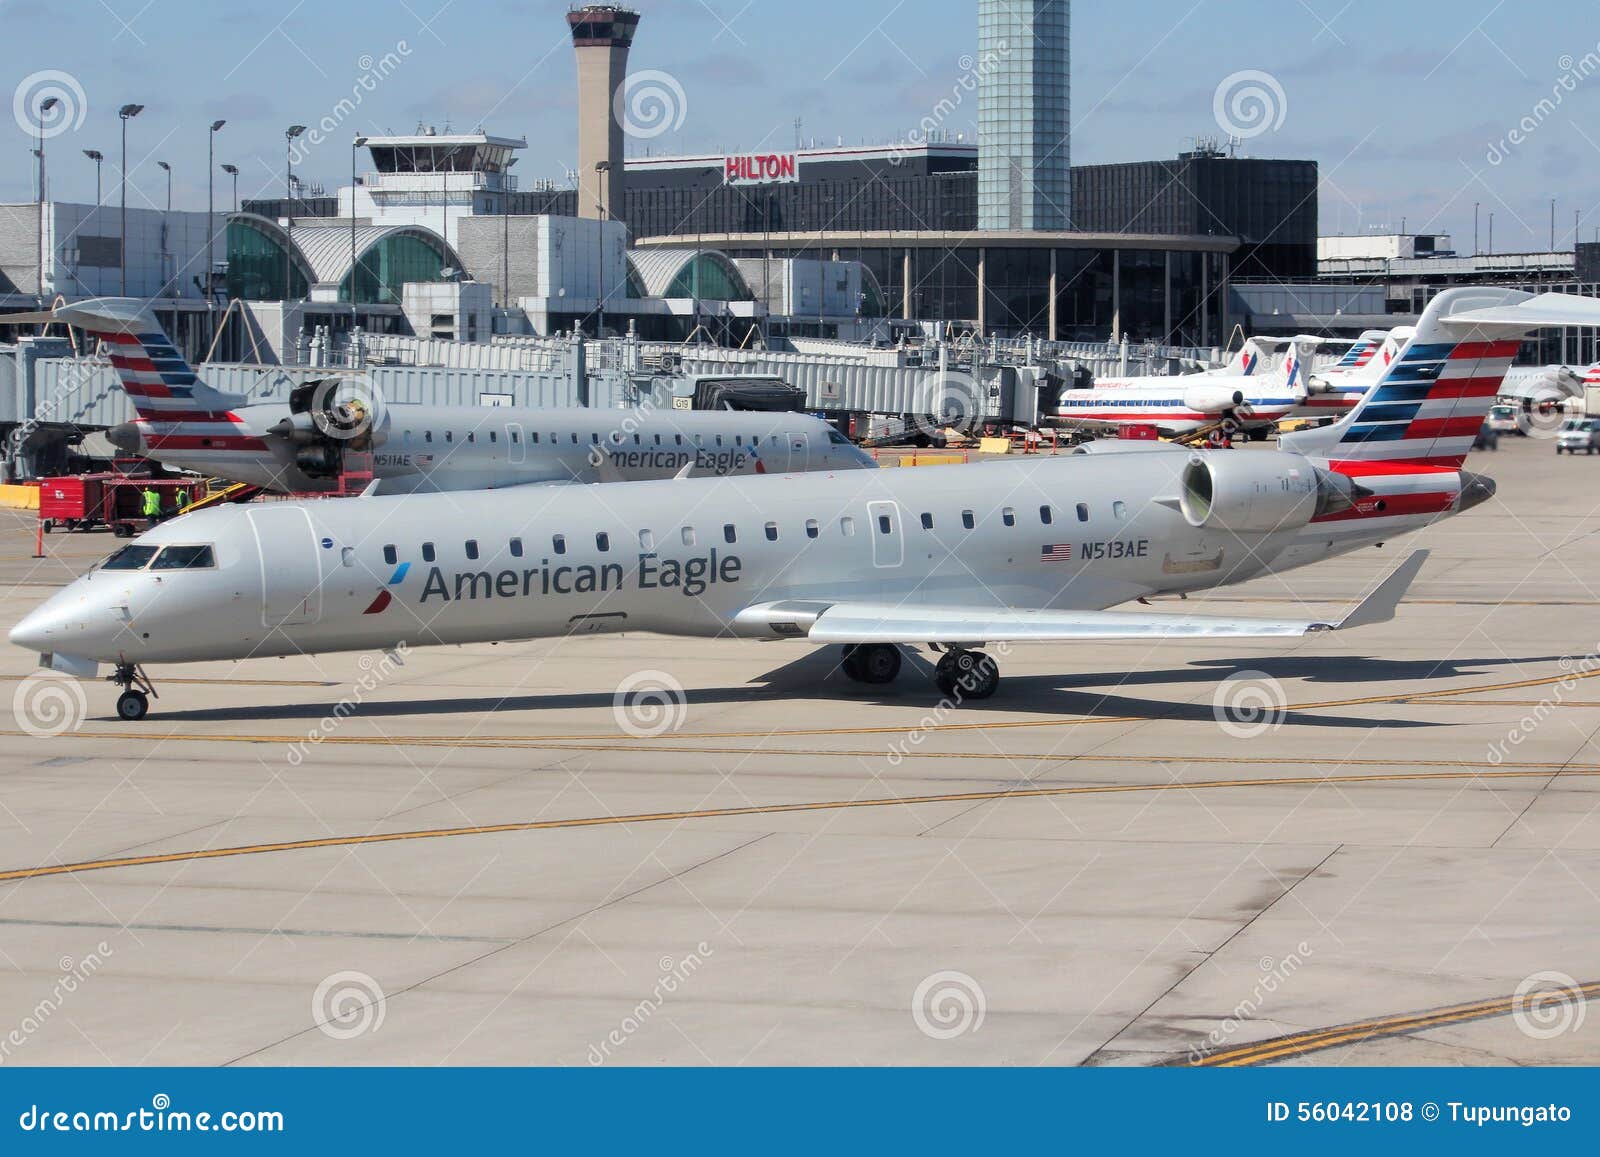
888, 623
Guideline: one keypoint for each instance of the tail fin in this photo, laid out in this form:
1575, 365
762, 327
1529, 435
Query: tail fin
1429, 405
1250, 359
1363, 351
159, 382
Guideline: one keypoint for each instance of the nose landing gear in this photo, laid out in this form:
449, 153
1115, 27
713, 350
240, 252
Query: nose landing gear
137, 690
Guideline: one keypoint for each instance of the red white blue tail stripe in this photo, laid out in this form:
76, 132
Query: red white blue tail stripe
176, 410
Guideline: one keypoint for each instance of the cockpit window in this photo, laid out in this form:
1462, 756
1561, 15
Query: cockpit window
185, 558
837, 438
131, 558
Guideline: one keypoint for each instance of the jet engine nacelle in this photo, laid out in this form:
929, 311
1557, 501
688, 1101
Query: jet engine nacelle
1212, 399
1251, 493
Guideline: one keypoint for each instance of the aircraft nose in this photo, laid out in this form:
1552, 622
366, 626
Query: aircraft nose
39, 630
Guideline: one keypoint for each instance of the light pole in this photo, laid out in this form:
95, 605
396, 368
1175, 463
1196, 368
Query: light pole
97, 157
354, 146
127, 112
166, 222
233, 171
44, 108
601, 169
505, 242
289, 134
211, 208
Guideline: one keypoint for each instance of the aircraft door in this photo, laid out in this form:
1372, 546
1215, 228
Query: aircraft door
517, 452
291, 565
888, 534
799, 447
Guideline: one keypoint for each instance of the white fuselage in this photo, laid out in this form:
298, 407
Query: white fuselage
684, 557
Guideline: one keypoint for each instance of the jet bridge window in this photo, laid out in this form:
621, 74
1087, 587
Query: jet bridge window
390, 555
185, 558
130, 558
427, 552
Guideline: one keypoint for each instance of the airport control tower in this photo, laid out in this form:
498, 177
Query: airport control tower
602, 35
1024, 114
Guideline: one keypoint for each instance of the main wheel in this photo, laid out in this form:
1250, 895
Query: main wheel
133, 705
967, 675
875, 664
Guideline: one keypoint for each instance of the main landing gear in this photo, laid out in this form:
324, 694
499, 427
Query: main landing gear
134, 702
960, 675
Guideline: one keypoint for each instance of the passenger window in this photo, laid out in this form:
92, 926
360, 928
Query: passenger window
719, 439
602, 542
472, 436
427, 436
658, 439
472, 549
449, 435
559, 542
1008, 516
1046, 515
391, 555
574, 437
729, 534
884, 525
594, 439
647, 541
516, 548
927, 522
1120, 510
738, 439
347, 556
1083, 512
678, 438
427, 552
184, 558
772, 532
494, 436
812, 529
533, 436
967, 520
408, 437
688, 536
847, 526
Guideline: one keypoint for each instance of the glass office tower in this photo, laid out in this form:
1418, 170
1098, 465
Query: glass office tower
1024, 70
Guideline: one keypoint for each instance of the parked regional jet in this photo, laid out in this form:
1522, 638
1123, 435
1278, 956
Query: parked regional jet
303, 445
955, 558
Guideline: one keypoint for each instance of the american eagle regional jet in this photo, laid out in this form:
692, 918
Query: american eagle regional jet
951, 558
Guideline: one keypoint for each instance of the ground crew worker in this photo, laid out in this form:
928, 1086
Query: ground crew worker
152, 504
182, 500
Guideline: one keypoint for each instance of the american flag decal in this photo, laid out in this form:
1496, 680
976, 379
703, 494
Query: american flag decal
1060, 553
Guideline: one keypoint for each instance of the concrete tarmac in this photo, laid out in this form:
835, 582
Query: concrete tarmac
486, 861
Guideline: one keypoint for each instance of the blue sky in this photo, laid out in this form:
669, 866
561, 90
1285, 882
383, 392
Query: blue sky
1403, 104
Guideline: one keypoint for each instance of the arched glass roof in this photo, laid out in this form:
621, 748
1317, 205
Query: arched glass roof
384, 258
707, 274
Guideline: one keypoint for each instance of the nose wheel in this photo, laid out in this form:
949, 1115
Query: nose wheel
134, 702
962, 675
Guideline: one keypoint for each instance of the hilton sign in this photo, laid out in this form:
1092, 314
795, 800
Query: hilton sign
761, 169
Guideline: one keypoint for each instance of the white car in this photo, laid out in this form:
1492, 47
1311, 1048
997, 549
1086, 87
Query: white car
1579, 435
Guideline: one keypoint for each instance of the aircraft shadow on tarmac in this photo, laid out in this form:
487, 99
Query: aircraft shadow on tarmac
816, 678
